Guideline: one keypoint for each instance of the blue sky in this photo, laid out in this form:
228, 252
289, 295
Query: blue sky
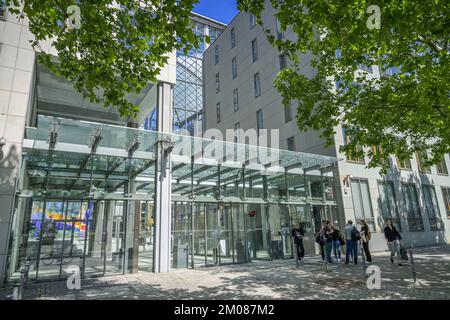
220, 10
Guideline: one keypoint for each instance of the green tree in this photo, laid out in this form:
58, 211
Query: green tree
118, 47
404, 110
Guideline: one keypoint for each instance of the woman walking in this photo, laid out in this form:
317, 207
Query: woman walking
393, 241
365, 238
298, 234
320, 239
336, 240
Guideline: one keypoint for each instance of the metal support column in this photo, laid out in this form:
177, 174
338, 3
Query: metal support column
163, 186
266, 208
192, 214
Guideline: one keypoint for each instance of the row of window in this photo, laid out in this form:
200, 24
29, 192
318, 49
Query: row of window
256, 85
259, 119
280, 35
259, 115
402, 164
388, 204
280, 32
256, 80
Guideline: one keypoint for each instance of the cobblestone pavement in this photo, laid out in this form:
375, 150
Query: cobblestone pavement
268, 280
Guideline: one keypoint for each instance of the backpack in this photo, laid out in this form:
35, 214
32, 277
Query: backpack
356, 236
298, 236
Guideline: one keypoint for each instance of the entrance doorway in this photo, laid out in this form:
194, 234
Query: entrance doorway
61, 237
207, 234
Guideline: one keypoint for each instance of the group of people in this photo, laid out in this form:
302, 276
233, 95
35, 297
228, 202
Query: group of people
330, 241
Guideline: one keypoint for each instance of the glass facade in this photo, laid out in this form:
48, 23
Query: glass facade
388, 204
446, 195
85, 199
361, 201
413, 213
432, 207
188, 92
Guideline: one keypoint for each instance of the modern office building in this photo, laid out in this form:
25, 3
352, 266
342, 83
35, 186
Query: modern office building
188, 91
239, 94
81, 191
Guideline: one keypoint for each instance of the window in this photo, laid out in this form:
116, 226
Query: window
404, 164
288, 112
291, 144
218, 112
365, 68
388, 203
361, 201
216, 54
236, 100
257, 85
237, 126
3, 10
422, 158
259, 120
254, 50
283, 61
391, 71
431, 206
280, 33
446, 195
233, 38
252, 20
234, 67
413, 215
378, 150
441, 167
217, 83
347, 133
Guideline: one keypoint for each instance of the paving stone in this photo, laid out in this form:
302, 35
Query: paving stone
267, 280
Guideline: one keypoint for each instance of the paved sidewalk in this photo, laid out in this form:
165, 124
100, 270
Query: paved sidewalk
268, 280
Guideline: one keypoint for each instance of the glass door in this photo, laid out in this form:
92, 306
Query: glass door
76, 225
59, 237
48, 238
96, 260
257, 229
199, 236
226, 247
146, 232
115, 237
181, 235
212, 233
240, 245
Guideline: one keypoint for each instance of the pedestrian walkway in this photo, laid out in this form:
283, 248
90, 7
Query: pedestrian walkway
268, 280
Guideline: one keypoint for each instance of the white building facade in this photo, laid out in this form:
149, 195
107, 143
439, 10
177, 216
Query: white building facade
83, 189
29, 91
240, 67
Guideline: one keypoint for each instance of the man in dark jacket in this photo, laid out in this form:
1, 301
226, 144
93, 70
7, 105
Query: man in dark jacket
393, 238
328, 234
297, 235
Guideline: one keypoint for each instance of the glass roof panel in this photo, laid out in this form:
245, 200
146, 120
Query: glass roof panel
73, 135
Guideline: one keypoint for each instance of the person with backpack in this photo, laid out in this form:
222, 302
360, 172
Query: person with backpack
366, 235
336, 241
352, 236
297, 235
328, 240
393, 238
320, 239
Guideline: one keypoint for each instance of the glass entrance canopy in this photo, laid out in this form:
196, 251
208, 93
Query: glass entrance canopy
65, 156
86, 194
